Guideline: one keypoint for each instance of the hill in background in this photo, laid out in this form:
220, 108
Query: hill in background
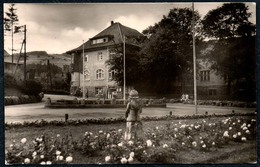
41, 57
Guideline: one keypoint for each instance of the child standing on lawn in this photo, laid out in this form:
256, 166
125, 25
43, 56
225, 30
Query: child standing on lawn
133, 111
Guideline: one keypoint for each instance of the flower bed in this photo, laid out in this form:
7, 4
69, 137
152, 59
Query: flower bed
159, 144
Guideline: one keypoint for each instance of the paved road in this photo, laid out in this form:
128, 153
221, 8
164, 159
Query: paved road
36, 111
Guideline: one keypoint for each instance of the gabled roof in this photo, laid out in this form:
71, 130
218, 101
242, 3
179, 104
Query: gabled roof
115, 31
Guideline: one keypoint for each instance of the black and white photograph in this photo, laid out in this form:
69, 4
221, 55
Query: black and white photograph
130, 83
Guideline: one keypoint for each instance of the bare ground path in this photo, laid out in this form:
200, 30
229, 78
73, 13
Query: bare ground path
36, 111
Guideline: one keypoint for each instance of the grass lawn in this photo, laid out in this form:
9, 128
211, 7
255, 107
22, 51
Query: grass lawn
233, 152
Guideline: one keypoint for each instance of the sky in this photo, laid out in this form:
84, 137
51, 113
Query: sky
57, 28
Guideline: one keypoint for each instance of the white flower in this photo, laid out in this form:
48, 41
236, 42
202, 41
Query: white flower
101, 131
39, 139
156, 127
200, 137
183, 126
42, 156
194, 144
130, 142
204, 145
176, 129
27, 160
244, 124
108, 135
247, 131
6, 163
230, 128
201, 141
43, 163
119, 130
183, 143
120, 144
132, 154
213, 143
58, 152
165, 146
245, 128
48, 163
123, 160
253, 120
234, 136
107, 158
69, 159
238, 121
209, 124
34, 153
192, 125
86, 133
226, 134
249, 125
234, 123
60, 158
90, 133
11, 145
58, 135
130, 159
23, 140
149, 143
243, 138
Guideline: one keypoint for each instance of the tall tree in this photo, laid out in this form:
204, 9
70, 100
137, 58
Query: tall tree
167, 53
233, 55
9, 21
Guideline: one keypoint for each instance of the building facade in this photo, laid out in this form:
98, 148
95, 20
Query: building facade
98, 78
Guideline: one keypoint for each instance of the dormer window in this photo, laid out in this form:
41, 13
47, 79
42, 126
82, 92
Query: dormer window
100, 40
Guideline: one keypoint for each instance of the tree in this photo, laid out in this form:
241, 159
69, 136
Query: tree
9, 21
167, 53
233, 55
132, 64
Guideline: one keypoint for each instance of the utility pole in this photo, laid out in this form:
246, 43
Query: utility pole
83, 69
124, 69
25, 54
194, 60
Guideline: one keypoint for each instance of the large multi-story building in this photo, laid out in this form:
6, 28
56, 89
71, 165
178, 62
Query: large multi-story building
98, 78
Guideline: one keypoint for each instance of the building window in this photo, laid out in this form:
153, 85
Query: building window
111, 74
100, 74
98, 90
212, 92
205, 75
100, 56
86, 75
100, 40
86, 58
112, 53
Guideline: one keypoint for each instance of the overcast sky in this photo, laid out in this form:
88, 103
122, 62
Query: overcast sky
57, 28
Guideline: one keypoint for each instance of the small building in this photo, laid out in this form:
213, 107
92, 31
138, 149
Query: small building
98, 78
9, 66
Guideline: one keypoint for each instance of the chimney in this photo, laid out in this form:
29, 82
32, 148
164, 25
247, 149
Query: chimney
112, 22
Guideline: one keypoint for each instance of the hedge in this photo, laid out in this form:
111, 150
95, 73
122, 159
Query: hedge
23, 99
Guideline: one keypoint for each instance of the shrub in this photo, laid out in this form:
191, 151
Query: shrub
32, 87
